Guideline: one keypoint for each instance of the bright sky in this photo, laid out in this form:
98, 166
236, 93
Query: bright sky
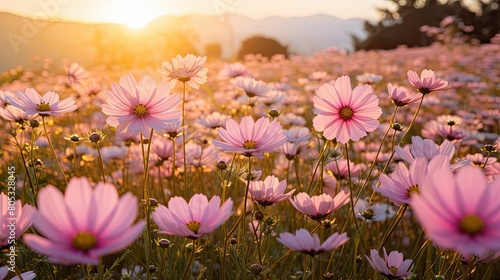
140, 12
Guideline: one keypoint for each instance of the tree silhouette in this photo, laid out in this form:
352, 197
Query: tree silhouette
267, 47
402, 25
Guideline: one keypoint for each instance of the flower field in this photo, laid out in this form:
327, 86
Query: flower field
364, 165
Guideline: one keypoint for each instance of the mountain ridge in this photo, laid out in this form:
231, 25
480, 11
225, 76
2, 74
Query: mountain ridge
107, 43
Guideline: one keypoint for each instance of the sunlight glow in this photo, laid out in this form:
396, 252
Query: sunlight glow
132, 13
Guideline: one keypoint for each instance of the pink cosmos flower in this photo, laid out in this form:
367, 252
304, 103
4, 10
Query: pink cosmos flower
76, 73
297, 134
309, 244
403, 183
192, 220
139, 107
460, 210
28, 275
188, 69
3, 97
340, 170
251, 86
269, 191
400, 95
214, 120
427, 82
233, 70
392, 266
83, 224
251, 138
428, 149
198, 155
49, 105
425, 148
319, 206
14, 114
290, 150
162, 148
343, 113
22, 216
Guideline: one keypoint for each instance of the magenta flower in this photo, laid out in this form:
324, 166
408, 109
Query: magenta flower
188, 69
22, 218
251, 138
425, 148
139, 107
269, 191
251, 86
192, 220
459, 211
14, 114
309, 244
49, 105
83, 224
403, 183
75, 72
233, 70
400, 95
393, 266
343, 113
319, 206
427, 82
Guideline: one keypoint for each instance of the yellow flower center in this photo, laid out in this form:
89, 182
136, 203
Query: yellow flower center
140, 110
184, 79
84, 241
249, 145
471, 224
194, 226
43, 107
346, 113
413, 190
393, 270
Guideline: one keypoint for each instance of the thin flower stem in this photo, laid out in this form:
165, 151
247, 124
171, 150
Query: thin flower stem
393, 225
242, 216
101, 163
147, 202
365, 183
297, 177
174, 185
320, 159
53, 151
412, 121
18, 144
190, 260
438, 258
184, 132
160, 185
75, 166
486, 161
100, 274
249, 178
353, 211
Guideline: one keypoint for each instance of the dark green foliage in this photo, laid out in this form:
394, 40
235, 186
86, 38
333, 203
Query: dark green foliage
261, 45
401, 26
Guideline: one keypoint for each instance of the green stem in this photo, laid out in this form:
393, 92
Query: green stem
101, 163
190, 261
365, 183
184, 132
147, 202
393, 225
320, 161
53, 151
174, 185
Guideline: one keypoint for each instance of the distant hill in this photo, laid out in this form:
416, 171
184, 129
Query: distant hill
163, 38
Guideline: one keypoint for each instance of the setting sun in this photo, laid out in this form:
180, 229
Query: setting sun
133, 13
